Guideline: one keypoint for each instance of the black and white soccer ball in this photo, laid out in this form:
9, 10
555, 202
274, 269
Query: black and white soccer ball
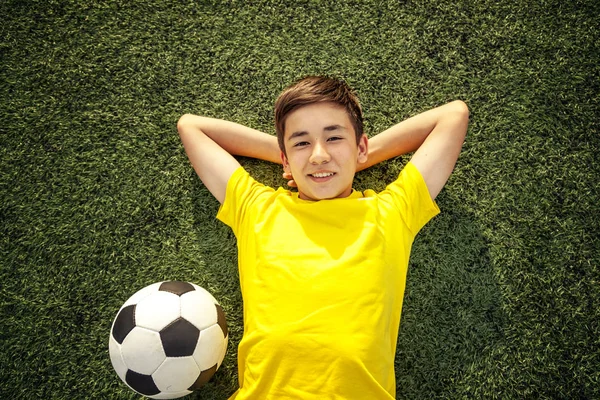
168, 339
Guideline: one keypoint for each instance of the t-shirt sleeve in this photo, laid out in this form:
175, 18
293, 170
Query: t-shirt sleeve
411, 197
242, 191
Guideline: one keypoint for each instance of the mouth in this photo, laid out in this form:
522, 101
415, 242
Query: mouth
321, 176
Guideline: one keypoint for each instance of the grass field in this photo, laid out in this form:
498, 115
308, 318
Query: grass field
97, 198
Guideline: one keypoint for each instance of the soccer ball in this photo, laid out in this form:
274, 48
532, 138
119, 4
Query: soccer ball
168, 339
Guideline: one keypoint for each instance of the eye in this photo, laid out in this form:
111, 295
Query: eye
301, 144
334, 138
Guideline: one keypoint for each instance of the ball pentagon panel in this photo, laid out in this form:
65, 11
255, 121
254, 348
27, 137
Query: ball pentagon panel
179, 338
176, 287
141, 383
204, 378
221, 320
124, 323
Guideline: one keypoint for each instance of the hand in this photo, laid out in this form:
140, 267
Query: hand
290, 178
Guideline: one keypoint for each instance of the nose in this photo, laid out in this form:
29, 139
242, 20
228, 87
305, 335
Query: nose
319, 154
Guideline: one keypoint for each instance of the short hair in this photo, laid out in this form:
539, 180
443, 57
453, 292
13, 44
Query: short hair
317, 89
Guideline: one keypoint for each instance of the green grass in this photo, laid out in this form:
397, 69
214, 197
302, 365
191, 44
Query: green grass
97, 198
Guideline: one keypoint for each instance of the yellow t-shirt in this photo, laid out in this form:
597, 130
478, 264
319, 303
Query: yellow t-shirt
322, 284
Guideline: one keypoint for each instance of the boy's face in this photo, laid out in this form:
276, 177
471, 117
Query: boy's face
322, 153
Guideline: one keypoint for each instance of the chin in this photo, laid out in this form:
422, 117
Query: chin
321, 196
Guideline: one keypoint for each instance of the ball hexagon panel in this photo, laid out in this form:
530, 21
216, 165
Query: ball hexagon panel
179, 338
199, 309
206, 353
171, 395
116, 358
206, 292
157, 310
176, 374
142, 351
223, 351
140, 294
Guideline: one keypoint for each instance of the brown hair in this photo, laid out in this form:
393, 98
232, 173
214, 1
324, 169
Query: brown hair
316, 89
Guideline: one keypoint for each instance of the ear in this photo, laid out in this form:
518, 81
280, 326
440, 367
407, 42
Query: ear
363, 149
284, 161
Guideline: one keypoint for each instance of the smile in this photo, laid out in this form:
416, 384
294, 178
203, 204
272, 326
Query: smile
322, 174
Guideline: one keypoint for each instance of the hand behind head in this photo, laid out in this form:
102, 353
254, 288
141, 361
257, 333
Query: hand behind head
290, 178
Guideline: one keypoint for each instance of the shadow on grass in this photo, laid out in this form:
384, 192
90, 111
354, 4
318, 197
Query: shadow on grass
217, 272
452, 314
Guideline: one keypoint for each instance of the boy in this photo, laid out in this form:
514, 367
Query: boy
322, 271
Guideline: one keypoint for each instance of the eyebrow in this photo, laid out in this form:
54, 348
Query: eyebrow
333, 127
304, 133
297, 135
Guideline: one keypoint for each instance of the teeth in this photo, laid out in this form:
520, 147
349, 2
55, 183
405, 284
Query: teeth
322, 174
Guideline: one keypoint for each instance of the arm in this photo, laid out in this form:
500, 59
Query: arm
436, 136
211, 143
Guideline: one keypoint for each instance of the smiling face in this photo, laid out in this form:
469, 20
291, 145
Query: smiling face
322, 153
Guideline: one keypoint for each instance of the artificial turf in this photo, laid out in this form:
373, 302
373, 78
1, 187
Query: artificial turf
98, 200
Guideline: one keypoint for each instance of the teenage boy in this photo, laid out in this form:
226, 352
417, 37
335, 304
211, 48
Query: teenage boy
322, 270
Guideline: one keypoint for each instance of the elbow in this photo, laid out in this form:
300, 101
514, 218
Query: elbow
460, 107
189, 123
461, 111
183, 122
